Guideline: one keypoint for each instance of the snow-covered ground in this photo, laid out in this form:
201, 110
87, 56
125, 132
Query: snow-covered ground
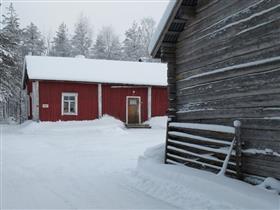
93, 165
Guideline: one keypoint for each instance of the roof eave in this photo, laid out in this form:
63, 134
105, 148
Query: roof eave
154, 49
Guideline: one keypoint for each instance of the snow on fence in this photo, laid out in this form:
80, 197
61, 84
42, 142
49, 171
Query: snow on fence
212, 147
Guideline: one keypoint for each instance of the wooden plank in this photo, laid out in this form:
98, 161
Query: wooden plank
195, 138
215, 11
200, 147
225, 43
185, 70
260, 100
231, 20
187, 160
211, 75
207, 158
229, 113
235, 86
208, 134
204, 127
257, 124
261, 167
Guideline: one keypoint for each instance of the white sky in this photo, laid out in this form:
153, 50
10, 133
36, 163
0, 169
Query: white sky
47, 15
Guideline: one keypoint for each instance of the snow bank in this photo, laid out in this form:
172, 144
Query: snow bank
155, 153
189, 188
271, 184
157, 122
105, 124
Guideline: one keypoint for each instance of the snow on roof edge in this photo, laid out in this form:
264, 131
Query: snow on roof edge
95, 71
162, 24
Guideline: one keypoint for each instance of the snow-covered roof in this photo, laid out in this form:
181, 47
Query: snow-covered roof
162, 25
91, 70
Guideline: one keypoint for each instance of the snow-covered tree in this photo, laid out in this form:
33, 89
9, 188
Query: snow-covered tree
10, 64
137, 40
147, 28
61, 43
113, 45
33, 41
99, 49
7, 68
11, 27
48, 41
82, 39
12, 33
107, 45
132, 44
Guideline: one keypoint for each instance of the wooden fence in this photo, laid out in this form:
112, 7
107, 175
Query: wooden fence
205, 146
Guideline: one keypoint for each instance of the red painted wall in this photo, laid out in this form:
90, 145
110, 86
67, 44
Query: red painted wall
50, 93
114, 101
159, 101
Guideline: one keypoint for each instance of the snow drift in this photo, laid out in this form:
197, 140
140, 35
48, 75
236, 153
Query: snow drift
190, 188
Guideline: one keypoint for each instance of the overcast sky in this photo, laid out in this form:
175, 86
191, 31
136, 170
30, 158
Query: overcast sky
47, 15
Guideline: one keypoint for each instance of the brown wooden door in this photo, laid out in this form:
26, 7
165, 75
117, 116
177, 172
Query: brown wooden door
133, 110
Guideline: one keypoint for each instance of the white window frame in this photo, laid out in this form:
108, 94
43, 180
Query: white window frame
139, 107
62, 103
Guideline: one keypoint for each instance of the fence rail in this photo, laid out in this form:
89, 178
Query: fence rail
205, 146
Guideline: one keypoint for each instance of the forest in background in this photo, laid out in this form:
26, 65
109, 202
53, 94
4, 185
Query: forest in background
17, 42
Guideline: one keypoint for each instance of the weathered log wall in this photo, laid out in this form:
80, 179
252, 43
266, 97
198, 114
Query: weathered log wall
227, 68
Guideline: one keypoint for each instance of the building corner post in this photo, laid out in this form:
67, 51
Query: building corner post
168, 54
99, 100
149, 103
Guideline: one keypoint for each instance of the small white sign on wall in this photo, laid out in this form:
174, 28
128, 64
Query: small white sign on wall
45, 106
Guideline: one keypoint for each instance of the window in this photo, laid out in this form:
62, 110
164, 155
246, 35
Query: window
69, 103
133, 101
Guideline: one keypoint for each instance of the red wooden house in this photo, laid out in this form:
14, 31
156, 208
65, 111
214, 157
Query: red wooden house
85, 89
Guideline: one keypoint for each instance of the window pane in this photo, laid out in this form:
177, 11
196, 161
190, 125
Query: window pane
66, 97
132, 101
72, 98
65, 106
72, 107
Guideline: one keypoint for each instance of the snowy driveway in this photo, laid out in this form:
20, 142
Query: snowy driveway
74, 165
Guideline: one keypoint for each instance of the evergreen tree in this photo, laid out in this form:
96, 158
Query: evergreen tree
99, 49
61, 43
82, 39
107, 45
11, 26
33, 41
12, 32
7, 68
10, 64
